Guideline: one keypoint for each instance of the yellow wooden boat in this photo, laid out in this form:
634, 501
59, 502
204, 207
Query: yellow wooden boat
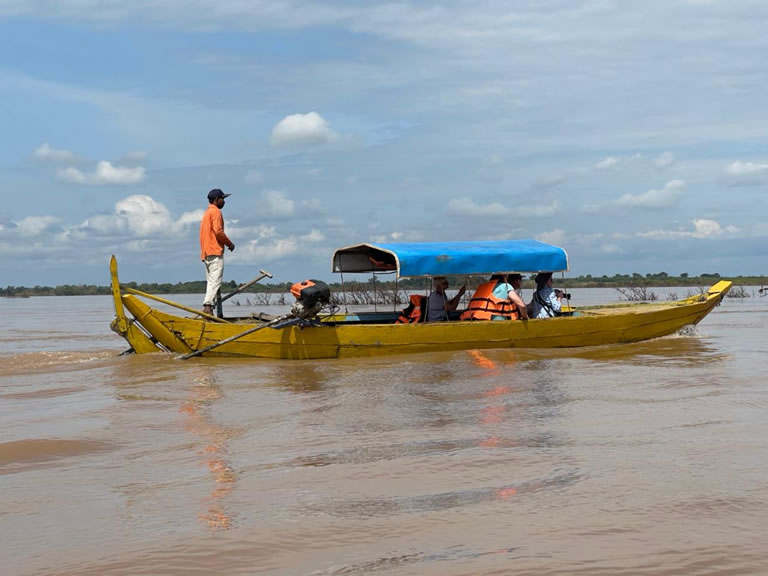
343, 335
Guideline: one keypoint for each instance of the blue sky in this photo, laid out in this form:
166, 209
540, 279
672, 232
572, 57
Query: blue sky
635, 135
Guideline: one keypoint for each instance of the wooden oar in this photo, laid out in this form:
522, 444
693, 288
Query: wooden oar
236, 337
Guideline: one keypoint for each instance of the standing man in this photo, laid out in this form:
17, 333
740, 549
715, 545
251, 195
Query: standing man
212, 242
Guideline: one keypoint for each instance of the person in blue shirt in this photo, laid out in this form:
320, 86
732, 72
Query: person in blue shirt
507, 289
546, 300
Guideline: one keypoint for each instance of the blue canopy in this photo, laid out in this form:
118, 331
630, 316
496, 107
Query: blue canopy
451, 258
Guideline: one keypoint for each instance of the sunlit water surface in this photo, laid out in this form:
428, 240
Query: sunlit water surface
649, 458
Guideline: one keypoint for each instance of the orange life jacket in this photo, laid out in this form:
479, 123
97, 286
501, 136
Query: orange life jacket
484, 305
414, 311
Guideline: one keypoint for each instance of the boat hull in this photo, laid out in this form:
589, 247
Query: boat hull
588, 327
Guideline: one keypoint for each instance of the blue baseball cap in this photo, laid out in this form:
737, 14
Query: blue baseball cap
215, 194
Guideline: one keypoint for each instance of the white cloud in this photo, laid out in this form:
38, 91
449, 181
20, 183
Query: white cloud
105, 173
747, 173
303, 130
190, 218
663, 160
45, 152
606, 163
71, 174
540, 210
556, 236
312, 237
611, 249
140, 215
35, 225
702, 228
270, 250
467, 207
313, 206
747, 168
144, 215
268, 246
663, 198
384, 238
277, 204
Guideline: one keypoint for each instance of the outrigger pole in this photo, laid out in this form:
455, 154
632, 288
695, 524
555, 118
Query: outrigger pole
235, 337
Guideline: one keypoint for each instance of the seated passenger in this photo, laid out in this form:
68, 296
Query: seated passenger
497, 299
438, 304
546, 300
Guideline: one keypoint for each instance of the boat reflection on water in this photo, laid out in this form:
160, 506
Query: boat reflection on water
215, 437
144, 385
683, 349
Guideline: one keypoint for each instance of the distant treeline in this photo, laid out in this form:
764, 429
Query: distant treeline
198, 286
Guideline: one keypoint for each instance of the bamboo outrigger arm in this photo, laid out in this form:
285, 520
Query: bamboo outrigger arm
174, 304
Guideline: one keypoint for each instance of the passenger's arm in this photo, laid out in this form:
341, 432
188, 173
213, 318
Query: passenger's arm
517, 301
453, 303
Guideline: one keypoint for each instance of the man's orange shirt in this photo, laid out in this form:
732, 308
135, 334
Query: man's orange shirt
212, 236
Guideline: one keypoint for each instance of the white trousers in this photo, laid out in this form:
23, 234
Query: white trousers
214, 271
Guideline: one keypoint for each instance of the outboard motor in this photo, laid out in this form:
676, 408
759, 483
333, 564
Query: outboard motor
311, 297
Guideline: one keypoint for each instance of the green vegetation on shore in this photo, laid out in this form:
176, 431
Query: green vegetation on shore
198, 286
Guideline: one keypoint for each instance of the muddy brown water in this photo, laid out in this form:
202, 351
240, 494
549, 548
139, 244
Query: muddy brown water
648, 458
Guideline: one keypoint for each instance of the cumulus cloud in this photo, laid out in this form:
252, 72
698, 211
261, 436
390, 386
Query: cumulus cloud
702, 228
45, 152
35, 225
467, 207
105, 173
667, 196
140, 215
268, 245
277, 204
303, 131
747, 173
